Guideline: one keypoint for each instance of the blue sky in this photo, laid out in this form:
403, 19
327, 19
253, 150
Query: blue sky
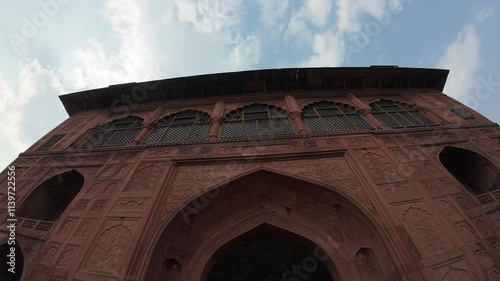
53, 47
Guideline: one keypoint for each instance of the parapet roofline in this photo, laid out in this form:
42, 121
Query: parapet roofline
267, 80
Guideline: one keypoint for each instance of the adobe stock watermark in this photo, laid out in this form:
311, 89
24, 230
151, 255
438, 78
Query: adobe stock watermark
31, 26
370, 30
483, 91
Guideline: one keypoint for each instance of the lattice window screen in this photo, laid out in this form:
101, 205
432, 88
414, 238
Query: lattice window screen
329, 116
50, 142
182, 126
399, 115
256, 120
465, 114
115, 133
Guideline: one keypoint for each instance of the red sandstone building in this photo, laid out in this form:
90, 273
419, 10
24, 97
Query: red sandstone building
288, 174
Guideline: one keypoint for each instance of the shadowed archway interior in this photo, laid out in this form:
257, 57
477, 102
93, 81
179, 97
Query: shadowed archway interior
269, 256
49, 200
474, 171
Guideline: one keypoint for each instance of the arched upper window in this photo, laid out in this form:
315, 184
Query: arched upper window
474, 171
186, 125
118, 132
49, 200
399, 115
256, 120
326, 116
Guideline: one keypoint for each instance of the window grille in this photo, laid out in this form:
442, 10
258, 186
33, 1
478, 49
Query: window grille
118, 132
329, 116
465, 114
50, 142
182, 126
256, 120
399, 115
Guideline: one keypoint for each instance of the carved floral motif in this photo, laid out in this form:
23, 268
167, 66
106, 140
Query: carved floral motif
84, 228
67, 226
80, 205
48, 257
377, 164
427, 233
98, 205
67, 257
109, 248
145, 178
447, 208
110, 188
130, 205
107, 172
467, 232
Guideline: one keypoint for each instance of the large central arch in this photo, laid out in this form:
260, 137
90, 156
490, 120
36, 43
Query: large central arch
265, 203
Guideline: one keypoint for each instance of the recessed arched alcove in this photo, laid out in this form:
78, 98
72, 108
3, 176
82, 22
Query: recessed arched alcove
474, 171
5, 253
49, 199
269, 253
368, 265
266, 207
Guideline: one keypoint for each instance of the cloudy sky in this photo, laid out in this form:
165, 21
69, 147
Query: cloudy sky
53, 47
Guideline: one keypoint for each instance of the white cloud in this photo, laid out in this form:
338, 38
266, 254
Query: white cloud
350, 13
23, 106
244, 52
328, 50
463, 60
484, 13
297, 30
211, 15
317, 11
134, 60
272, 12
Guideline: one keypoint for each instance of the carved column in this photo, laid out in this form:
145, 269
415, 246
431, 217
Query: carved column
216, 120
143, 133
365, 110
148, 125
295, 114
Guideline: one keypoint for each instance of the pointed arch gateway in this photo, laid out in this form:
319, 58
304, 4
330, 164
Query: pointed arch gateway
323, 228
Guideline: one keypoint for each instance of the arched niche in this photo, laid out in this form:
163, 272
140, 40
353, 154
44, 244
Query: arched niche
269, 253
308, 215
474, 171
5, 252
171, 270
49, 199
368, 265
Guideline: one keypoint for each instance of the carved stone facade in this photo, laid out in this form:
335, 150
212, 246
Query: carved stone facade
368, 204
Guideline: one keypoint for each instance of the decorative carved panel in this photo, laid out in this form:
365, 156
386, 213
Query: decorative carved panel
457, 271
377, 165
427, 234
134, 205
67, 226
84, 228
111, 244
67, 256
145, 177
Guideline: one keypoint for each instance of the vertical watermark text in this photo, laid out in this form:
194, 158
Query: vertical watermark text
11, 220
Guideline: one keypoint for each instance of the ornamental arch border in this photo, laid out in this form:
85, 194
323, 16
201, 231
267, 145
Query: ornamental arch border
351, 203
